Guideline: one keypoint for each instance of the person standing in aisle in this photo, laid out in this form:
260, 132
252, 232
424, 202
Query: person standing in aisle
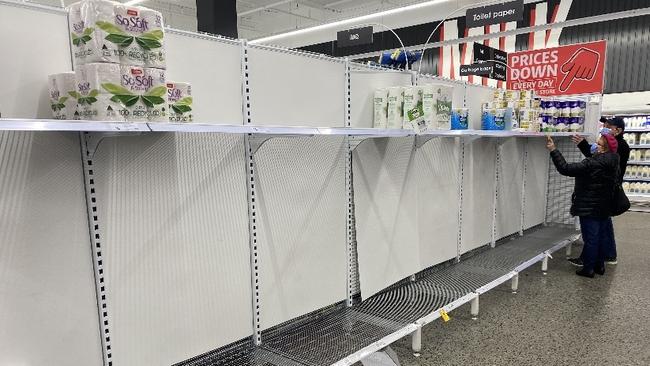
617, 127
595, 178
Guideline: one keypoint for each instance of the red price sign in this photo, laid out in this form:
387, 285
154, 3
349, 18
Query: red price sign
566, 70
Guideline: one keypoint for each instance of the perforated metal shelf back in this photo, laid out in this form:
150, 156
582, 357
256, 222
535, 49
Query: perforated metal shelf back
332, 334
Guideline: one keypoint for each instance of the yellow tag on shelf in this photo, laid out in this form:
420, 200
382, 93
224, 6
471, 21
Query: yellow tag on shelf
444, 315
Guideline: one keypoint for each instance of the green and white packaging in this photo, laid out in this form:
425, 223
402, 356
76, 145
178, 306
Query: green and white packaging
428, 106
380, 102
412, 107
180, 101
94, 101
395, 105
63, 105
155, 98
443, 95
107, 31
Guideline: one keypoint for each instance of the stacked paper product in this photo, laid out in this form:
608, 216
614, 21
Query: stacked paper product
395, 107
179, 96
107, 31
512, 110
418, 108
64, 106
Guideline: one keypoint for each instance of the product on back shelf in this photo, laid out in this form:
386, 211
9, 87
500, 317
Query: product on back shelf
626, 187
459, 119
443, 95
413, 113
646, 172
179, 97
395, 101
63, 105
380, 102
429, 106
156, 95
647, 155
106, 31
97, 85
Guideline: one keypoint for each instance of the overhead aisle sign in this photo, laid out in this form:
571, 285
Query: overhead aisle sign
566, 70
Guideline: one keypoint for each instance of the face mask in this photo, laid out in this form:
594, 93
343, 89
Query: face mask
594, 148
606, 131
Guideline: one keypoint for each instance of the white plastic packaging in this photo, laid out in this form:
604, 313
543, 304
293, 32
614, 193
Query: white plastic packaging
395, 101
179, 96
62, 103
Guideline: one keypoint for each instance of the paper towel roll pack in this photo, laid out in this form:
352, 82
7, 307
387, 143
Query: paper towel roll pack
106, 31
179, 96
63, 105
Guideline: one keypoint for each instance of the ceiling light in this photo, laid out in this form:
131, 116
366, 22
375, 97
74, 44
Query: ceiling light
134, 2
347, 21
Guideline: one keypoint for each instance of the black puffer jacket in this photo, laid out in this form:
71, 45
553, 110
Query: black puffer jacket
623, 152
594, 186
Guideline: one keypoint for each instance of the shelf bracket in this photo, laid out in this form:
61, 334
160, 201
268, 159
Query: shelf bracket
421, 140
94, 139
355, 141
257, 140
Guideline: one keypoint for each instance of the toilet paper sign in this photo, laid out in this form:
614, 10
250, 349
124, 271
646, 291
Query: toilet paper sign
565, 70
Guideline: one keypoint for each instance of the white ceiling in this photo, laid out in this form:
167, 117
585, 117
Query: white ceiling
260, 18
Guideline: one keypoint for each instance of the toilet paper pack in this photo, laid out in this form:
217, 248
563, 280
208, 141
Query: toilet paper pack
443, 106
395, 105
134, 83
94, 102
107, 31
139, 33
428, 105
413, 114
380, 109
155, 97
64, 106
89, 41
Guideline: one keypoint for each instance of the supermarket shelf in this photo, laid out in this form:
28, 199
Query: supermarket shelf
639, 146
342, 336
632, 179
638, 197
634, 162
57, 125
637, 129
96, 126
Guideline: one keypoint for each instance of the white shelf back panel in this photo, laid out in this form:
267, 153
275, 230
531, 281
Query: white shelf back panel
289, 89
511, 181
214, 69
301, 225
476, 96
406, 206
478, 193
35, 44
536, 182
174, 225
48, 307
362, 88
437, 171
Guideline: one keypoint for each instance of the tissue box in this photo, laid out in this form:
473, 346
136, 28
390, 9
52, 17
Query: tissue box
180, 101
64, 105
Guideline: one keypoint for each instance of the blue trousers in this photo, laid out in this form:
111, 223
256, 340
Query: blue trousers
610, 241
595, 236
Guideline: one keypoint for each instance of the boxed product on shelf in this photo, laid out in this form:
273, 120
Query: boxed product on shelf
395, 104
107, 31
64, 105
380, 109
179, 96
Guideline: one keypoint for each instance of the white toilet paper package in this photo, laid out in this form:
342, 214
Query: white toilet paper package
94, 102
395, 105
106, 31
179, 96
380, 109
64, 106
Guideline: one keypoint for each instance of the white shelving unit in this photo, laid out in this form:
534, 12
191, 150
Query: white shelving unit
245, 225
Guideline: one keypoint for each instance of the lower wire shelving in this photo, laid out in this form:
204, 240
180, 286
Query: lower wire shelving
340, 335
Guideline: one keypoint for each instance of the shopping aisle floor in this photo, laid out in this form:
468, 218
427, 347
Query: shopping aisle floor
558, 319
